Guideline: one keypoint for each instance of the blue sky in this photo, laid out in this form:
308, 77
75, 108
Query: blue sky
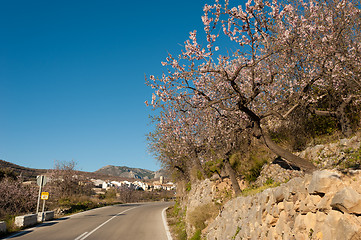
72, 78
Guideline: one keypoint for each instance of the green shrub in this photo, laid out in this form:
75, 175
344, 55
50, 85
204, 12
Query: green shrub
197, 235
250, 164
188, 186
176, 215
254, 190
353, 159
321, 125
110, 194
269, 181
10, 224
252, 174
212, 167
200, 175
237, 231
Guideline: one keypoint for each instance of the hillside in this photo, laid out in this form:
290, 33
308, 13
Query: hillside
126, 172
26, 173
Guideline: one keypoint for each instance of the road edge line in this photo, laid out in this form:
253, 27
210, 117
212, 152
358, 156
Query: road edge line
165, 223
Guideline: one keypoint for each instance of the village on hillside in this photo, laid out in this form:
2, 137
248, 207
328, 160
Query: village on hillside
101, 185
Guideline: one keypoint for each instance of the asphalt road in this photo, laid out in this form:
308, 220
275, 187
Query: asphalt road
143, 221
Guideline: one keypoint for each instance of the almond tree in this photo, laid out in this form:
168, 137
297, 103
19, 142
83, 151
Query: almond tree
324, 55
178, 142
284, 59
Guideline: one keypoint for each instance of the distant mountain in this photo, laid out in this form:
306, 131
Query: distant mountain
126, 172
120, 172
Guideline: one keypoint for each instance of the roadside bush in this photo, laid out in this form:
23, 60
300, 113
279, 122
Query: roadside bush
69, 205
175, 217
16, 198
197, 235
110, 194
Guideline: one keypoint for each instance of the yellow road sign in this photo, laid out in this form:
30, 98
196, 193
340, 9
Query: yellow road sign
44, 195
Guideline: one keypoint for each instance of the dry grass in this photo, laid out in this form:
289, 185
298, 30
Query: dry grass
203, 215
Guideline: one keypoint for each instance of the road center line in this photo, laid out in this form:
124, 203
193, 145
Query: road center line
88, 234
78, 238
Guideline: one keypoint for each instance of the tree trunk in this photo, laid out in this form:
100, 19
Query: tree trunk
345, 122
340, 115
285, 154
183, 172
232, 176
197, 164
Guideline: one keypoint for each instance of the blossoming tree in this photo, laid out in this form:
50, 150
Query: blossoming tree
287, 55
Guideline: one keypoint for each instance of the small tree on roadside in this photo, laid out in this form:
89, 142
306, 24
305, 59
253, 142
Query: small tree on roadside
66, 181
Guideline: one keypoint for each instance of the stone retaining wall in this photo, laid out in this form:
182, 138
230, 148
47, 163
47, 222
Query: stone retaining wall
326, 205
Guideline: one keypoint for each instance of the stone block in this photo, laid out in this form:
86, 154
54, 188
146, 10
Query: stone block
282, 225
304, 223
45, 216
2, 227
296, 185
347, 200
281, 193
324, 181
309, 204
348, 228
328, 227
325, 204
320, 219
289, 206
26, 220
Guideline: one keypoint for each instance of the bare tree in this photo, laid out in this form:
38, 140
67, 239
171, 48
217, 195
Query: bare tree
66, 182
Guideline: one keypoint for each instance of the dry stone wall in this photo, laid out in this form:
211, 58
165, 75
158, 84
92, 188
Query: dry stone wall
324, 156
325, 205
200, 194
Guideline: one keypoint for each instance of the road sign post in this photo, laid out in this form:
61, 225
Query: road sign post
44, 197
41, 181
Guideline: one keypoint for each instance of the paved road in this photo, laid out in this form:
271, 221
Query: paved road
142, 221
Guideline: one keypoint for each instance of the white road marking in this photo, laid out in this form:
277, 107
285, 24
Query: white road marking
165, 223
81, 236
88, 234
